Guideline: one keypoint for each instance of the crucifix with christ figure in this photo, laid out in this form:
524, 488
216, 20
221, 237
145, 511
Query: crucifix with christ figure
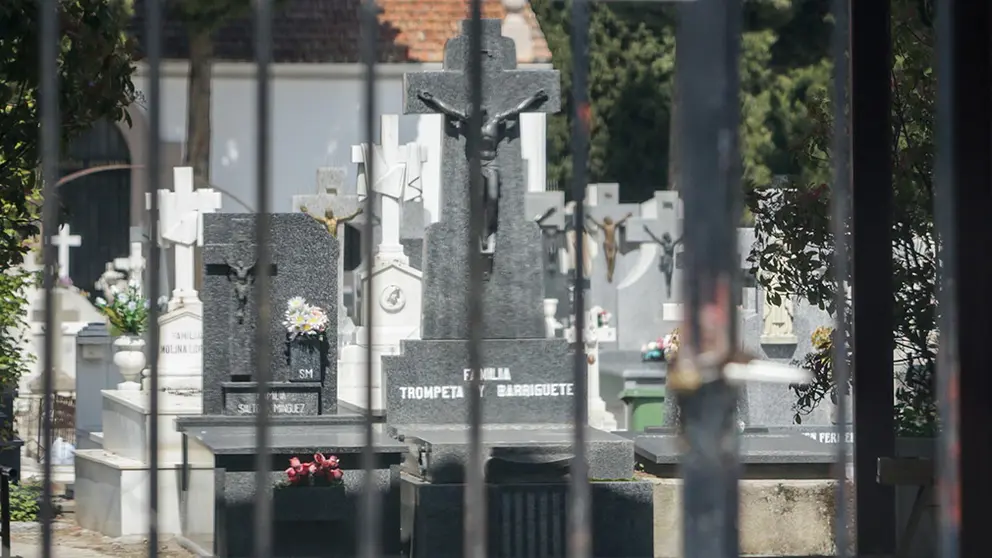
506, 93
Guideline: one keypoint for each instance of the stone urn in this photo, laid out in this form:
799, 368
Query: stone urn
129, 356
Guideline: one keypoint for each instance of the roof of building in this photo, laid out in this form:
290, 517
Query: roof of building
328, 31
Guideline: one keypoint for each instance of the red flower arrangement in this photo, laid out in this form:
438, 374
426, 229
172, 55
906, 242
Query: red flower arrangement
322, 471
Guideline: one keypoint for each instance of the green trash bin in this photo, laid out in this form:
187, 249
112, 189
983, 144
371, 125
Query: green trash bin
644, 396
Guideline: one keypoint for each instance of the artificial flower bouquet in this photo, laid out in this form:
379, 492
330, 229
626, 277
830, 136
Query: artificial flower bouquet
662, 349
322, 471
304, 320
127, 309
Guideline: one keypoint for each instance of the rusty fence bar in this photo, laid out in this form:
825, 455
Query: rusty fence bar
949, 186
263, 353
368, 543
50, 138
475, 495
840, 214
153, 38
708, 36
580, 505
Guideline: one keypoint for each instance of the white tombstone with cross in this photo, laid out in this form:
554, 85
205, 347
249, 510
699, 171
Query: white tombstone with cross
133, 264
397, 300
181, 213
64, 241
398, 178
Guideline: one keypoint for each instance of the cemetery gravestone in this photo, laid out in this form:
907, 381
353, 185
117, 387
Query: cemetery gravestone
651, 287
218, 495
603, 202
64, 241
506, 291
304, 262
528, 393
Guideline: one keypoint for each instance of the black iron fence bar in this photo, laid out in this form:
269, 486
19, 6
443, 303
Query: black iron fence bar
947, 189
708, 39
263, 484
840, 200
50, 137
369, 545
8, 476
580, 505
153, 46
475, 496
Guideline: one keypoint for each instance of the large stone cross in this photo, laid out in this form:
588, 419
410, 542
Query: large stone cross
389, 173
65, 241
514, 285
181, 224
506, 93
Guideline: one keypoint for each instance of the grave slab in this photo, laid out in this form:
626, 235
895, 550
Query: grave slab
220, 488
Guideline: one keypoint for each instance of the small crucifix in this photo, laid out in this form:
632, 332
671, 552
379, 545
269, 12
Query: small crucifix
241, 273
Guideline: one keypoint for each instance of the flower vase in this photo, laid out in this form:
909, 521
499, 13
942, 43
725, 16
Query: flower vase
307, 355
129, 356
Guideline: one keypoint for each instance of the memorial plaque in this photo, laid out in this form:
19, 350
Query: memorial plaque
523, 381
281, 402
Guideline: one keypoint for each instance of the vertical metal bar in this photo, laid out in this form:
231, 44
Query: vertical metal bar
475, 495
840, 200
5, 513
369, 537
708, 39
946, 189
50, 137
263, 485
579, 542
153, 46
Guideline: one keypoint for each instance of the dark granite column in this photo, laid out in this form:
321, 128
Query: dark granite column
874, 437
963, 174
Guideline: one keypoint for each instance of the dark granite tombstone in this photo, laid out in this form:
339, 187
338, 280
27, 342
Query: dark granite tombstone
304, 258
218, 480
528, 393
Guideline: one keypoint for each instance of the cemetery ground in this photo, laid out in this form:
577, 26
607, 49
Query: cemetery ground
72, 541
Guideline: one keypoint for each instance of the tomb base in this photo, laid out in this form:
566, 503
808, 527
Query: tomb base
218, 486
528, 519
111, 483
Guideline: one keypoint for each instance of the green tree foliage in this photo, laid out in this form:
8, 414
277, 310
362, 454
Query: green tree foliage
632, 64
95, 69
795, 242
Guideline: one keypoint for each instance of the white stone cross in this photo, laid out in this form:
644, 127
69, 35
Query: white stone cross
65, 241
389, 162
181, 224
134, 264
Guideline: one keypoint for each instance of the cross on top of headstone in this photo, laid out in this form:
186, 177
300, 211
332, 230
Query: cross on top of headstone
514, 291
65, 241
134, 264
505, 94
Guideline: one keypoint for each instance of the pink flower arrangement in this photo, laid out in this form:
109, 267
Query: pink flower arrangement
322, 471
603, 318
664, 348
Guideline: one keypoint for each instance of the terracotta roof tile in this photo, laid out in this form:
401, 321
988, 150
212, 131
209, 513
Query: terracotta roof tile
328, 31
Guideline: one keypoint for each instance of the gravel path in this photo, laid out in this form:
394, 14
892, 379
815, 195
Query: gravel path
71, 541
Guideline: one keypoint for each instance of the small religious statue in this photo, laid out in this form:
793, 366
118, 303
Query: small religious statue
330, 221
241, 275
493, 132
588, 246
777, 320
666, 261
609, 229
552, 243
